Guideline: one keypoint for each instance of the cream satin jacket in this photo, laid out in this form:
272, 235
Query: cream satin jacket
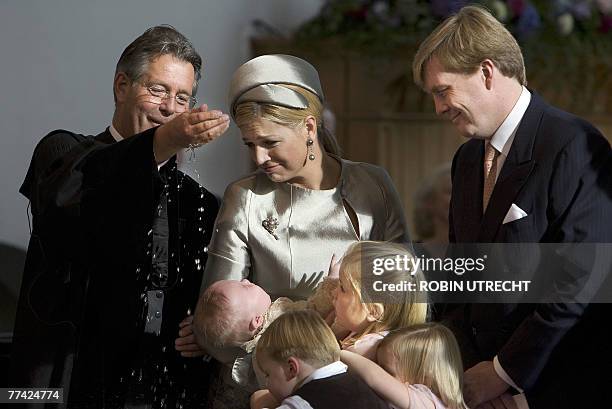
282, 237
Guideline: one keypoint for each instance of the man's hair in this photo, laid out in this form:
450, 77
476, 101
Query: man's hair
301, 334
463, 41
153, 43
214, 322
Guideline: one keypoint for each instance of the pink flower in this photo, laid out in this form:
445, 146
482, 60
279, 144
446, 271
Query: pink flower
605, 6
606, 24
517, 6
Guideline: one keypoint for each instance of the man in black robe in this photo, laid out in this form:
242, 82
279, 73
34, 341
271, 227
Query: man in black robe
118, 243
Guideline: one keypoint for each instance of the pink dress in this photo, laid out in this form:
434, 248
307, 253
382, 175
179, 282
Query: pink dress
421, 397
366, 345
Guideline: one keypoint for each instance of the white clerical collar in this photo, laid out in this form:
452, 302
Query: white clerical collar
118, 138
326, 371
116, 135
503, 137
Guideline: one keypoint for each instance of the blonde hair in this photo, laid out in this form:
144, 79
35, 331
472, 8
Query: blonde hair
214, 322
248, 112
301, 334
463, 41
428, 354
400, 309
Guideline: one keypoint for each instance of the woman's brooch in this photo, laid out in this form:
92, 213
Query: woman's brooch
270, 224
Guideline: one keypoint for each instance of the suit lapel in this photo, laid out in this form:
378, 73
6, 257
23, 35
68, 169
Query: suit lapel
516, 170
467, 187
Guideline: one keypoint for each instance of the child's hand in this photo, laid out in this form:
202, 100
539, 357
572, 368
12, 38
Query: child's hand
334, 267
263, 399
186, 342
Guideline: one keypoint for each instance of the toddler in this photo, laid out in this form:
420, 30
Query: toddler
420, 367
369, 320
300, 359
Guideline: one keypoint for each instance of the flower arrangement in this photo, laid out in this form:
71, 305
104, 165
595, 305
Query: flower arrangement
377, 22
561, 39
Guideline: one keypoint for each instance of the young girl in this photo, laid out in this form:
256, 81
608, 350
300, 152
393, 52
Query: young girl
423, 368
367, 309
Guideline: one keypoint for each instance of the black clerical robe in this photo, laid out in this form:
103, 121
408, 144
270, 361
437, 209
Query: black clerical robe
98, 312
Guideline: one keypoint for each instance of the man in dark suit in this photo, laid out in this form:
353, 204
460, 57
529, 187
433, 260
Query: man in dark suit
530, 173
118, 242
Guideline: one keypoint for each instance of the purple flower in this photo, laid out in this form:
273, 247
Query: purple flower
528, 22
444, 8
581, 10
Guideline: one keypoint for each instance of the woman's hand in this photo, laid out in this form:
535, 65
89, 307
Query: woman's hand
186, 343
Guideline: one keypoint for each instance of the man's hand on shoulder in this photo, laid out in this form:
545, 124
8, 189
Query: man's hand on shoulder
189, 129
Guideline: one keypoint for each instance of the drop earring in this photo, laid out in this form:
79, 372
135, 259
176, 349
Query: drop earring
309, 143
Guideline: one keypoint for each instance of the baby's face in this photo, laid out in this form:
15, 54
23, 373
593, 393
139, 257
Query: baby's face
246, 299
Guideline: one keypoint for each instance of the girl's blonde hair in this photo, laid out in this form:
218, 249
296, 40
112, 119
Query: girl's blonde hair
301, 334
428, 354
390, 310
247, 112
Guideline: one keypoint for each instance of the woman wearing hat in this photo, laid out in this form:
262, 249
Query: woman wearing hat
281, 225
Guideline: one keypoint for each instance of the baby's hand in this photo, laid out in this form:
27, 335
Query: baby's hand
334, 267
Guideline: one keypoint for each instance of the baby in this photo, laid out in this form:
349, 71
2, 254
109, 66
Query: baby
233, 313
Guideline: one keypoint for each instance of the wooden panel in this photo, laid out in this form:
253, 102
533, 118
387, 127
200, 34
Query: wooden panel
604, 124
411, 150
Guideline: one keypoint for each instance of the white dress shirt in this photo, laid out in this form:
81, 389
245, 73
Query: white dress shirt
504, 136
296, 402
117, 136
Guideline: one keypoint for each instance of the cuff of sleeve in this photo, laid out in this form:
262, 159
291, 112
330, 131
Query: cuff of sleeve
503, 375
159, 165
